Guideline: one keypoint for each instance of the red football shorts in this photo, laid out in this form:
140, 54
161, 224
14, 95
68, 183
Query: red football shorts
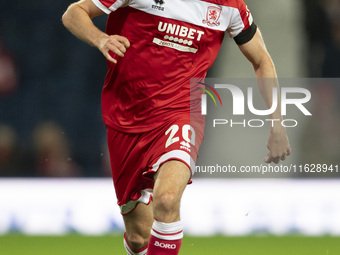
136, 157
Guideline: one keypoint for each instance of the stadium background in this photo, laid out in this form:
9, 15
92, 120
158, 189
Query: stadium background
50, 86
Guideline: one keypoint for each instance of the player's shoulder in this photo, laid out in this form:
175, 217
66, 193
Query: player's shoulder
228, 3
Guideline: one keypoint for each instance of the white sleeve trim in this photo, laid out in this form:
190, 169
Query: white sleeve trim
113, 7
237, 25
101, 6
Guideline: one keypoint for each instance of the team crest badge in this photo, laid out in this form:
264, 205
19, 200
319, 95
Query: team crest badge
213, 14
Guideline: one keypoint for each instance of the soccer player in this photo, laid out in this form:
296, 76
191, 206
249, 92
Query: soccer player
153, 48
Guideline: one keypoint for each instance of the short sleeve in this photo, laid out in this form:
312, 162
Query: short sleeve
109, 6
241, 27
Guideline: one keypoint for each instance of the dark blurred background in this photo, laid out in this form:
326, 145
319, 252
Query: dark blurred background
50, 85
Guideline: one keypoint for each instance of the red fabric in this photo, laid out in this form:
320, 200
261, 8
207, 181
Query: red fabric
108, 3
132, 156
151, 83
163, 247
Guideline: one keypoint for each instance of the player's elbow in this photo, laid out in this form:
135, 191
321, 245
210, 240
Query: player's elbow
66, 17
264, 64
68, 14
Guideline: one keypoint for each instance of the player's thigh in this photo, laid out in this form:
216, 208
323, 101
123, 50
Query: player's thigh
170, 182
138, 222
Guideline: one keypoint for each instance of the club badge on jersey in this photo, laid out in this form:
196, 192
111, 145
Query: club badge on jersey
213, 14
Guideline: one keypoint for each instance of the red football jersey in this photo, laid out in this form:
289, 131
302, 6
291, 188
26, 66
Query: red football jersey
171, 42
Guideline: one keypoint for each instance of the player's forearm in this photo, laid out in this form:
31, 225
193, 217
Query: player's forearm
267, 81
79, 23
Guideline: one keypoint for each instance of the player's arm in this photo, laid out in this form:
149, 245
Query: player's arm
78, 20
256, 52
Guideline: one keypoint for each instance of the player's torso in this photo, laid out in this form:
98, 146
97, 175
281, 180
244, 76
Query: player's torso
171, 41
179, 34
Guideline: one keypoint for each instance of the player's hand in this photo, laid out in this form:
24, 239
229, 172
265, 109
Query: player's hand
278, 146
115, 43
